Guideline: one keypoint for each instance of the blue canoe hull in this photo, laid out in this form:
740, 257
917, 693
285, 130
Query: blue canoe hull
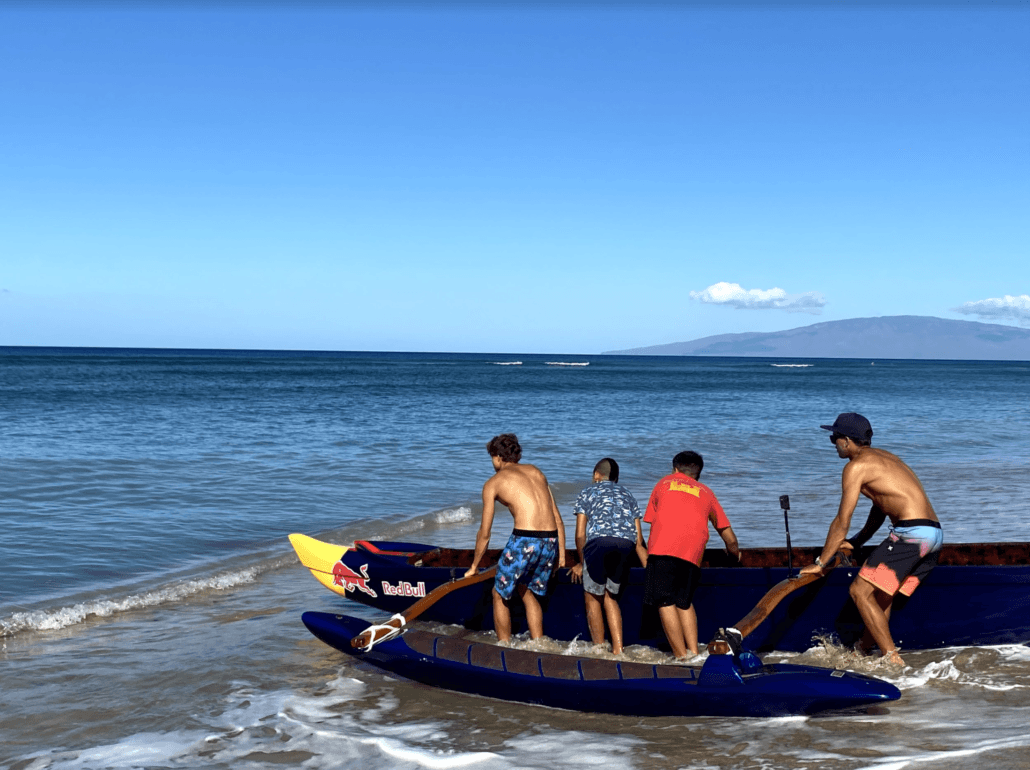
979, 595
723, 686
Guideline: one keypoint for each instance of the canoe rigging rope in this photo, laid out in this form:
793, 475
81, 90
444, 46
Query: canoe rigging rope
390, 631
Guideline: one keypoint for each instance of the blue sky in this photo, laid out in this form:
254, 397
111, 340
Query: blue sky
508, 177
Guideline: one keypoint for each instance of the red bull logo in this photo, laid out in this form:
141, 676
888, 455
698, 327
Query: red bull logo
349, 580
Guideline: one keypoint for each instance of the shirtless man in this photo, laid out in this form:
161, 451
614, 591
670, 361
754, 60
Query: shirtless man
911, 549
537, 544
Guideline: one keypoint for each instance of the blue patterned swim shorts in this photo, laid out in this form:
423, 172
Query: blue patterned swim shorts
529, 557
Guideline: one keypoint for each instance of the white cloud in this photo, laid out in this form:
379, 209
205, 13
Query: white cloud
734, 295
1007, 308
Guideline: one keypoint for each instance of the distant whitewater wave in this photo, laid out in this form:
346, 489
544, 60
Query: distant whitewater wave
453, 515
793, 366
506, 363
62, 617
567, 363
399, 529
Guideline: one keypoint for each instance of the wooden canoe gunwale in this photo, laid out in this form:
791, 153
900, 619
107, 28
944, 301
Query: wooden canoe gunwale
954, 555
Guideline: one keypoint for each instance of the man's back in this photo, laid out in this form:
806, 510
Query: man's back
891, 484
679, 511
610, 508
522, 488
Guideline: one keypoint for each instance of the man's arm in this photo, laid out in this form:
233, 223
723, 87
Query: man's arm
717, 516
576, 571
873, 523
483, 537
851, 488
641, 548
730, 539
560, 526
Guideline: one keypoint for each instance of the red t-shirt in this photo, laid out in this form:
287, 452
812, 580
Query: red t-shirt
678, 513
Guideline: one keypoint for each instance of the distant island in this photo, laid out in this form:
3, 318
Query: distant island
899, 336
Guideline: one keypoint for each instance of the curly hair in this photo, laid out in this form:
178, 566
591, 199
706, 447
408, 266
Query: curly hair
506, 446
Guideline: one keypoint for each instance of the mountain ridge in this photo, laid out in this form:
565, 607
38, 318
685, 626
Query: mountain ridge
904, 336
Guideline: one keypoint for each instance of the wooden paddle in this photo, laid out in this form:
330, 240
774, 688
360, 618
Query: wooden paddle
728, 640
380, 632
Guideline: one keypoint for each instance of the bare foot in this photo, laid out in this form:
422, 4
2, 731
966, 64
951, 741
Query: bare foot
893, 659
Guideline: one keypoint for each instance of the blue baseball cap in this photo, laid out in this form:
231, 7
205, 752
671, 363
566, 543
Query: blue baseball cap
852, 425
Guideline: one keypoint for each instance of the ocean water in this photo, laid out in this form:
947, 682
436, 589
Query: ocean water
150, 602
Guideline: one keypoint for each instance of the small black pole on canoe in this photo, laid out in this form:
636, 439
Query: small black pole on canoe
785, 505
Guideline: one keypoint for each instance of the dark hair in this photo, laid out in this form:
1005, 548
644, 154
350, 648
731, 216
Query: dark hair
686, 461
506, 446
608, 468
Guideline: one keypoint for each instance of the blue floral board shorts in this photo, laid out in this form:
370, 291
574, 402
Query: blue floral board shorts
529, 557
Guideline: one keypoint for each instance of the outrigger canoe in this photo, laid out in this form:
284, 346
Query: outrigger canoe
978, 595
726, 685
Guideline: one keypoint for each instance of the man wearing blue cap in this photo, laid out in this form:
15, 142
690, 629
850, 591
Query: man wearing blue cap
911, 549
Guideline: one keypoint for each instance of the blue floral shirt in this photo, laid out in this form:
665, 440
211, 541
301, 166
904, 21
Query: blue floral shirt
610, 509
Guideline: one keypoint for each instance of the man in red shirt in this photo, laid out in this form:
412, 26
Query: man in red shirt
679, 511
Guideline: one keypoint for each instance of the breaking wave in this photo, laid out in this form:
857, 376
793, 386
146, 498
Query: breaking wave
62, 617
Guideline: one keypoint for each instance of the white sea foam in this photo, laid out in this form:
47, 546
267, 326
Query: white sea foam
567, 363
932, 758
830, 654
62, 617
446, 516
946, 670
793, 366
1017, 653
454, 515
506, 363
325, 730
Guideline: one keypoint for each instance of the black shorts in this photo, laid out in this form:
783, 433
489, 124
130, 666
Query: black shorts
670, 580
606, 564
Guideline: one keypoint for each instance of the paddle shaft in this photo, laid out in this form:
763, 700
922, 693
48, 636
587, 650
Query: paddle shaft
768, 603
376, 633
439, 592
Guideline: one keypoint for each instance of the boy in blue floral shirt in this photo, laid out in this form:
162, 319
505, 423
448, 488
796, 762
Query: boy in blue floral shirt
607, 534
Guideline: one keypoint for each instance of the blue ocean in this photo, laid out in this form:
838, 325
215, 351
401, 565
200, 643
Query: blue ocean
150, 602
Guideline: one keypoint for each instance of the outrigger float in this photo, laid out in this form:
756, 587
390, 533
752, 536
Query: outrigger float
978, 595
726, 685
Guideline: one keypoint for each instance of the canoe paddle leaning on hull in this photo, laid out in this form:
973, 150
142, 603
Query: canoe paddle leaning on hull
728, 640
388, 629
